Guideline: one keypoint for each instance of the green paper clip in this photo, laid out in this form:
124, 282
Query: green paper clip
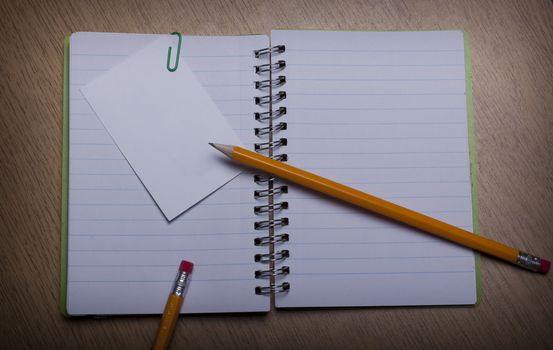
178, 54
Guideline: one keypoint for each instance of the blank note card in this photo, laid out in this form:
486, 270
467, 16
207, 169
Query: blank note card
162, 122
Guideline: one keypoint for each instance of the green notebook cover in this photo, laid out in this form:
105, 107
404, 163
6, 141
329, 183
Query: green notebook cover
472, 158
64, 179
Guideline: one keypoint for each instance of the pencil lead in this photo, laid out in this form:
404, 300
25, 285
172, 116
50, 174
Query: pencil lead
226, 149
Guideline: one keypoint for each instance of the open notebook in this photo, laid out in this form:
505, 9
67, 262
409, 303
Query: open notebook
385, 112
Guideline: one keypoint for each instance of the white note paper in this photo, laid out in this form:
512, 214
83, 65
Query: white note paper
162, 122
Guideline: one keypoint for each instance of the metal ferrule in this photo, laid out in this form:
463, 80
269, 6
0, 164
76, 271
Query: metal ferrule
528, 261
180, 283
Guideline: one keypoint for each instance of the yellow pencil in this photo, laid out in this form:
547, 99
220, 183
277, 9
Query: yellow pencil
384, 208
172, 308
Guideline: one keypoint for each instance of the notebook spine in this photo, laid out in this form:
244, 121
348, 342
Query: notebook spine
269, 146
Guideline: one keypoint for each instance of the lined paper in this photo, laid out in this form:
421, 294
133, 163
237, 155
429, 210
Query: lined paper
123, 255
383, 112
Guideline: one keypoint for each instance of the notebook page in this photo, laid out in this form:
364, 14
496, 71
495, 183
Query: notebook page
123, 255
383, 112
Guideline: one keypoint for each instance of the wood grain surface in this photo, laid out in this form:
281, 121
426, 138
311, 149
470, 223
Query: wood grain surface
512, 53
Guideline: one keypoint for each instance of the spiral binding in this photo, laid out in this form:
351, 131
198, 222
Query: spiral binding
270, 192
275, 83
262, 117
269, 99
271, 257
273, 289
270, 67
262, 179
272, 223
283, 237
270, 130
269, 51
265, 100
272, 272
272, 144
262, 209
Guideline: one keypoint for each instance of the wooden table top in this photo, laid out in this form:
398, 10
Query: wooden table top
512, 55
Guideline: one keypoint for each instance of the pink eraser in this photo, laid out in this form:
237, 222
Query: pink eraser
545, 265
186, 266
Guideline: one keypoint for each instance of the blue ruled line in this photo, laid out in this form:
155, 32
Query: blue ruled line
372, 65
86, 129
369, 79
383, 258
392, 197
142, 189
384, 50
100, 174
378, 109
340, 228
161, 281
97, 159
388, 167
380, 273
139, 235
292, 212
226, 85
378, 123
99, 54
402, 152
89, 70
163, 220
222, 70
165, 250
231, 99
378, 138
108, 189
254, 264
381, 94
90, 144
152, 205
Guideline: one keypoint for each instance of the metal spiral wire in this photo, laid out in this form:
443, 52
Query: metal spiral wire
269, 98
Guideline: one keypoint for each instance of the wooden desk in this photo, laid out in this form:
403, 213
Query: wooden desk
512, 51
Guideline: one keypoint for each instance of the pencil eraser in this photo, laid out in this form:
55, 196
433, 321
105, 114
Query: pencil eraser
186, 266
545, 265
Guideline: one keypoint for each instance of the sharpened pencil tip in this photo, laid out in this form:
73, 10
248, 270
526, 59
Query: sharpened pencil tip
226, 149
